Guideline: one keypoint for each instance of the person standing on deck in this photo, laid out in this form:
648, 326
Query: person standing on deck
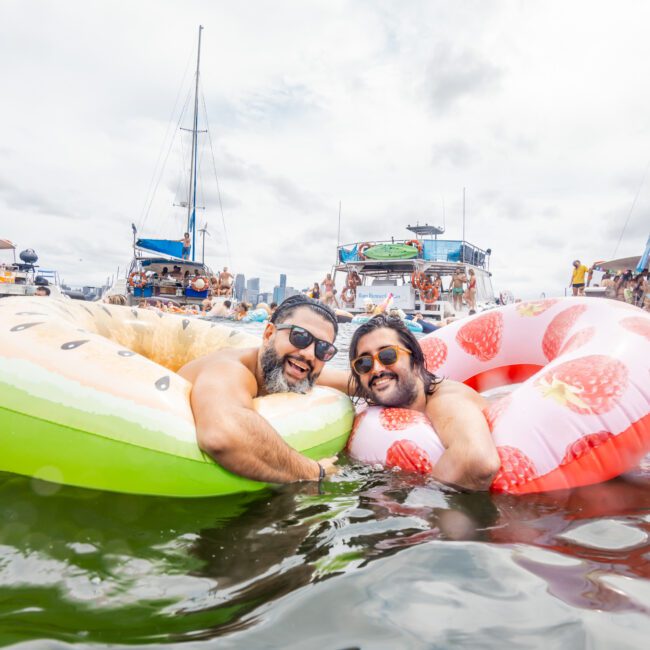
187, 245
471, 290
456, 288
578, 278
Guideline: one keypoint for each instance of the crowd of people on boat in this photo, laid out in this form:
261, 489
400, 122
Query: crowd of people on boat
175, 281
624, 285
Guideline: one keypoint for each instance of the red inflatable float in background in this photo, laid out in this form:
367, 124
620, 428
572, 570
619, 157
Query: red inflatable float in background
580, 414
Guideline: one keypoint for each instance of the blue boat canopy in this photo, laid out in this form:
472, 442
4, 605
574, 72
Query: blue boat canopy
164, 246
643, 261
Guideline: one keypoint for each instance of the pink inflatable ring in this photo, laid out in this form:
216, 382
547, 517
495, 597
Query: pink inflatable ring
580, 414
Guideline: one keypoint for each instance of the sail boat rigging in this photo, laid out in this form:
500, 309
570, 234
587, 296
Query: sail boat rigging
165, 266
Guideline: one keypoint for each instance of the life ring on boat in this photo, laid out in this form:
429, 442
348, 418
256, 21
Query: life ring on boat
416, 244
361, 250
581, 415
348, 295
199, 283
430, 295
90, 397
138, 279
421, 281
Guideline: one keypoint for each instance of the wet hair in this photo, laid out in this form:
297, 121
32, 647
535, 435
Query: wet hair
289, 306
407, 341
227, 303
117, 299
42, 289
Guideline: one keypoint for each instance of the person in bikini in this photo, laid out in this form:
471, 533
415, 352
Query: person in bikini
471, 291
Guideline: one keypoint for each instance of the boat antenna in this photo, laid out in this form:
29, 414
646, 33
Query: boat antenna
204, 231
618, 243
463, 214
216, 178
191, 201
338, 235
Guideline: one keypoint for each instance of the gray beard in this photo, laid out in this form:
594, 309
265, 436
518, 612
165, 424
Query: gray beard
403, 396
274, 379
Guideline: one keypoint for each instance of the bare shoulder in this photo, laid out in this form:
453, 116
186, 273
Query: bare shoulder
226, 370
449, 390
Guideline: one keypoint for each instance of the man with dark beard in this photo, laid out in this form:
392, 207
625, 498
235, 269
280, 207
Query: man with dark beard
388, 369
296, 343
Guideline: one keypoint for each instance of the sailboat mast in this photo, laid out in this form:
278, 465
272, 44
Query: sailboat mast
191, 202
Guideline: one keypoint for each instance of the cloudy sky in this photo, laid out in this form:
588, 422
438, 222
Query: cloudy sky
541, 110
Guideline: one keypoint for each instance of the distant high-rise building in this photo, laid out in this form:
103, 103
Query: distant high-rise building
290, 291
253, 290
279, 294
240, 286
283, 280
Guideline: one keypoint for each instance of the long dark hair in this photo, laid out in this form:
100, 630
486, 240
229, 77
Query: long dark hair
407, 341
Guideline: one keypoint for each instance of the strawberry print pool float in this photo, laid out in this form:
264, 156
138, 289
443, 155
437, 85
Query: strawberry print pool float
579, 410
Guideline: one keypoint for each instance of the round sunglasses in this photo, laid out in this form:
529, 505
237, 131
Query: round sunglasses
301, 338
387, 356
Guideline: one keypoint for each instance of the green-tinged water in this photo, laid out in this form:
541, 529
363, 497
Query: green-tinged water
375, 560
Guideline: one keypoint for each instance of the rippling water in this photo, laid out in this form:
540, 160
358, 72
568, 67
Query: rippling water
375, 560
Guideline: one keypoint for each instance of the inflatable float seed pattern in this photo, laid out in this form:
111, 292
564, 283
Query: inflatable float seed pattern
579, 414
89, 396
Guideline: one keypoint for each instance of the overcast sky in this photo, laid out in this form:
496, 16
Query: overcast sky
541, 110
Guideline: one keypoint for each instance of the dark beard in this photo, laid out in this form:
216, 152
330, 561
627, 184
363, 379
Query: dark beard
402, 396
273, 375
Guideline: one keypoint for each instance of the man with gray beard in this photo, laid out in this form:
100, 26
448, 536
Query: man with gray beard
296, 343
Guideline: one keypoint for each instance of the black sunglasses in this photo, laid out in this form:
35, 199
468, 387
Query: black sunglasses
387, 356
300, 338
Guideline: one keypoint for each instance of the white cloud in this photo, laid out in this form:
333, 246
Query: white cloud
539, 109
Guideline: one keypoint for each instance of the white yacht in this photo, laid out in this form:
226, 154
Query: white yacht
405, 268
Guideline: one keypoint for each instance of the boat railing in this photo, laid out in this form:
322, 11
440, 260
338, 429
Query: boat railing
431, 250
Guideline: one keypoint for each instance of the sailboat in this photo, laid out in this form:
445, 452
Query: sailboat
168, 269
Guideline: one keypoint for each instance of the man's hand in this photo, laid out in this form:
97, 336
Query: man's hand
328, 464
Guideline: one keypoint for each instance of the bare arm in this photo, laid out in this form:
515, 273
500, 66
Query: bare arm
470, 459
333, 378
236, 436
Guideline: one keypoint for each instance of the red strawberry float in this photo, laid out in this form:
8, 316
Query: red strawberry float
535, 307
407, 456
585, 445
590, 384
639, 325
481, 337
516, 469
579, 339
435, 352
394, 419
558, 329
567, 420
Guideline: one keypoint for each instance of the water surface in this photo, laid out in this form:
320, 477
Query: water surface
374, 560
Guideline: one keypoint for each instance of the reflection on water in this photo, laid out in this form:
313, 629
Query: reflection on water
375, 560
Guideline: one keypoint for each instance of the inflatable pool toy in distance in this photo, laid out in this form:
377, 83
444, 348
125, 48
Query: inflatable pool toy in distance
579, 413
89, 396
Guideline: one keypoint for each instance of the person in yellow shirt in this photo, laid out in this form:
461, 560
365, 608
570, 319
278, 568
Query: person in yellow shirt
578, 278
